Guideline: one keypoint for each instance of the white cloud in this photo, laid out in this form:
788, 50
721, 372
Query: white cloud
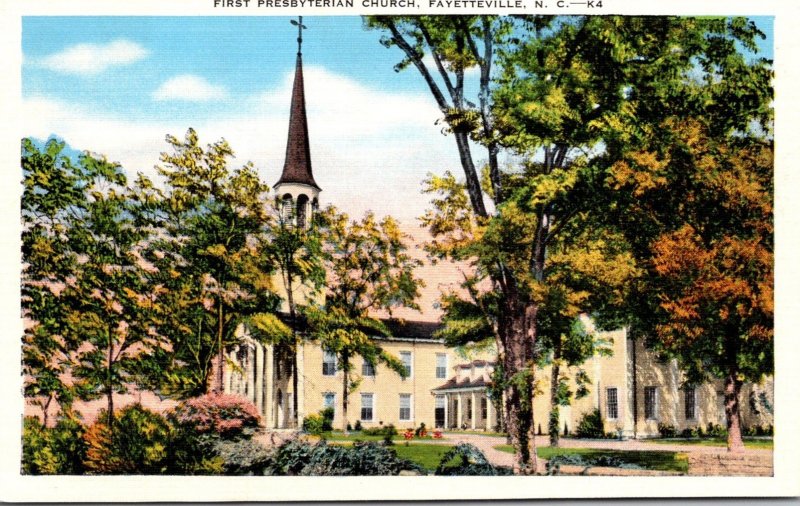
370, 148
189, 88
90, 59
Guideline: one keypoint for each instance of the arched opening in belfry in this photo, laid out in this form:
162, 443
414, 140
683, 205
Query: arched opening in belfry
302, 207
286, 208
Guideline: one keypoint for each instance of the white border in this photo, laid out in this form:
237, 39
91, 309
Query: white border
14, 487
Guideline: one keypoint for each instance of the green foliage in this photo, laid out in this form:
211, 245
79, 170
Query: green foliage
357, 426
666, 430
591, 425
297, 458
368, 270
384, 430
208, 258
56, 450
314, 424
243, 457
469, 461
139, 444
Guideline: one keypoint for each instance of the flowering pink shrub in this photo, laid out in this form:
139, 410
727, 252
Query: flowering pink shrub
408, 434
225, 415
437, 434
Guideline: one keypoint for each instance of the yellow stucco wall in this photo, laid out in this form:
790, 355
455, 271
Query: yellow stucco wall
386, 386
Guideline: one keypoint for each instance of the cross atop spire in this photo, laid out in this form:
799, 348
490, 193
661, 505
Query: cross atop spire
300, 27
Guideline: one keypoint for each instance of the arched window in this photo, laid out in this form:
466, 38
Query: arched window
286, 208
302, 206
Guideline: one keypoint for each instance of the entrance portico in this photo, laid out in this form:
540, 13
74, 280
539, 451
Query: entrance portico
463, 402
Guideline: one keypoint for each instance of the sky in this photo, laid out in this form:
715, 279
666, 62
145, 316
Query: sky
118, 85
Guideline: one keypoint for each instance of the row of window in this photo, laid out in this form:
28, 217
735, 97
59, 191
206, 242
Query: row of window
368, 406
651, 403
368, 369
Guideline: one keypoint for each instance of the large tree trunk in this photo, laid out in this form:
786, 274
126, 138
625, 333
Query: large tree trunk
519, 385
732, 388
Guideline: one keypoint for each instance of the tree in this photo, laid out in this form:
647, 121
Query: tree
52, 195
368, 271
711, 148
295, 253
206, 257
709, 275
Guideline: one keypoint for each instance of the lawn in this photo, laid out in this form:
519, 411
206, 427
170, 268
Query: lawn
655, 460
716, 441
426, 455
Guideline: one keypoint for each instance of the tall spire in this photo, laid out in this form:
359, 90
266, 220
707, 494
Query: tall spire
297, 166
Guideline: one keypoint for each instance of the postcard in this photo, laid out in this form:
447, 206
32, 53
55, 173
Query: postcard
284, 250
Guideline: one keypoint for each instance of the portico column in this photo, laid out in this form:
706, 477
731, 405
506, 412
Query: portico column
259, 390
301, 391
446, 411
489, 414
474, 411
460, 411
269, 390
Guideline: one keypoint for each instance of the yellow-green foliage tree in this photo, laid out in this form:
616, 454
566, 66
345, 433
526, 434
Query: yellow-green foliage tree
368, 270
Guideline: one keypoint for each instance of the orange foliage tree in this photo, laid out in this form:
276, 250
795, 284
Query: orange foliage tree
709, 281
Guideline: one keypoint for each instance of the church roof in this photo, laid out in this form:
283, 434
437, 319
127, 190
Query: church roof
297, 166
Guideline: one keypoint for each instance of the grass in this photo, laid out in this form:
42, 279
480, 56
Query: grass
655, 460
760, 443
426, 455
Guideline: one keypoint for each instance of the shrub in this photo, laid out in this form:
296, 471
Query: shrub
138, 444
223, 415
666, 430
469, 461
386, 430
591, 425
314, 424
421, 431
242, 457
716, 430
57, 450
327, 419
297, 458
357, 425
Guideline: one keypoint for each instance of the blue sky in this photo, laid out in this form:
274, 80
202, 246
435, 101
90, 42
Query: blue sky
118, 85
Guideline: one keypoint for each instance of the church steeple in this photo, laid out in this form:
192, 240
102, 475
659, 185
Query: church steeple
297, 165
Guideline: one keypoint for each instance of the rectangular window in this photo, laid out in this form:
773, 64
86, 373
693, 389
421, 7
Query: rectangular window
650, 402
484, 408
328, 363
329, 400
405, 356
405, 407
441, 365
612, 405
440, 401
689, 403
367, 369
366, 407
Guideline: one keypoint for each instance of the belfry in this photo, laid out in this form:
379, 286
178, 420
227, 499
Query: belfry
296, 191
